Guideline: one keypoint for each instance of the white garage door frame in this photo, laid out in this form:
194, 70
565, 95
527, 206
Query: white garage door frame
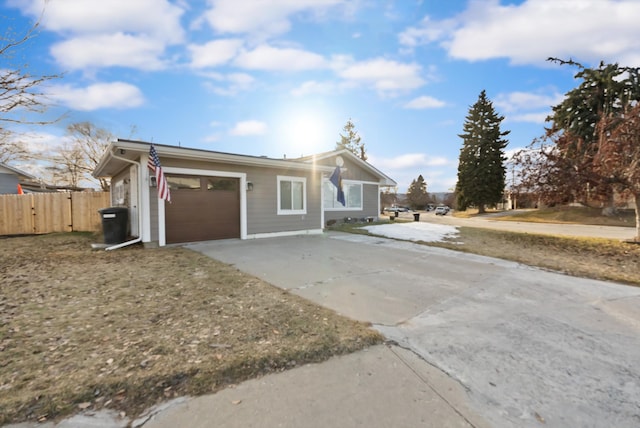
162, 237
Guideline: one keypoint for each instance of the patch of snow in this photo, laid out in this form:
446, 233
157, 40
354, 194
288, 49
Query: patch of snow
416, 231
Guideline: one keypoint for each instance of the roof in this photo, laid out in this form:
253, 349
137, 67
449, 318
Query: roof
385, 180
121, 152
21, 174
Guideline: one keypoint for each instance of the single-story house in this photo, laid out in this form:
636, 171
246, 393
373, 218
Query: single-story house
217, 195
11, 179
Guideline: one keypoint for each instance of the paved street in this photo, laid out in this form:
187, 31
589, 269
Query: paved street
530, 347
558, 229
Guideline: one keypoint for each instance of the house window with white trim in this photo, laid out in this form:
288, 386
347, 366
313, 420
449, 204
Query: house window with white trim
352, 196
292, 195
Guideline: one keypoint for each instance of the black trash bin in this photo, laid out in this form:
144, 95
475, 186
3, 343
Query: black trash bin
114, 224
416, 216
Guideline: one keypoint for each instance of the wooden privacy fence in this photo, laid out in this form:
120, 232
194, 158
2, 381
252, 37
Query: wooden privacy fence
35, 213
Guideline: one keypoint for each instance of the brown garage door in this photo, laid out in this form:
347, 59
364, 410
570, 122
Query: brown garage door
202, 208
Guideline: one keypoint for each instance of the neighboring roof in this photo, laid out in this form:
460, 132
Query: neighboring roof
385, 180
21, 174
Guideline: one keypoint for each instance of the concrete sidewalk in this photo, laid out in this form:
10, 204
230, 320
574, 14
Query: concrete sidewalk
383, 386
379, 387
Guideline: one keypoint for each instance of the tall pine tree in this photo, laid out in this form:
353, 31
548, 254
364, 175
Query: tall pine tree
352, 141
417, 195
481, 170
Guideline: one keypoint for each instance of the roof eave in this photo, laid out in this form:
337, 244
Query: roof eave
196, 154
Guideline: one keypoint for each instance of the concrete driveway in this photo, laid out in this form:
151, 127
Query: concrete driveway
531, 348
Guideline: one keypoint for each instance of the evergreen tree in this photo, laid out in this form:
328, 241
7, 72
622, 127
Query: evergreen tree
481, 170
352, 141
417, 195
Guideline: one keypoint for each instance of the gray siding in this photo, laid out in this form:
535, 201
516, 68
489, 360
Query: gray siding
8, 184
262, 216
350, 170
369, 206
262, 203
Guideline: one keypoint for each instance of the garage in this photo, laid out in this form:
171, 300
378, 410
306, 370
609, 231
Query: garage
202, 208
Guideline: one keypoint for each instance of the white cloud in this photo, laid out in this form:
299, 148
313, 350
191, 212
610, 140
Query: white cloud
539, 117
265, 57
532, 107
109, 50
428, 31
314, 87
530, 32
37, 142
261, 17
235, 83
386, 76
424, 102
157, 18
214, 53
515, 101
97, 33
248, 128
409, 160
115, 95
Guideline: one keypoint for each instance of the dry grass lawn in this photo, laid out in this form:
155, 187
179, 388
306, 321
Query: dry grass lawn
578, 215
83, 329
603, 259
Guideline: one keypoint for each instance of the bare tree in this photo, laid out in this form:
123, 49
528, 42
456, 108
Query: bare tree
20, 91
618, 156
69, 165
79, 155
11, 149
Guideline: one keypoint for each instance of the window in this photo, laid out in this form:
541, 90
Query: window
352, 196
183, 182
222, 184
292, 195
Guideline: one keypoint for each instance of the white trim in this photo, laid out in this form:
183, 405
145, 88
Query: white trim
346, 182
378, 196
206, 173
145, 199
134, 200
375, 183
321, 200
162, 232
287, 233
302, 180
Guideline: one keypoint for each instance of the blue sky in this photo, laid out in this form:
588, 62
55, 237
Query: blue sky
282, 77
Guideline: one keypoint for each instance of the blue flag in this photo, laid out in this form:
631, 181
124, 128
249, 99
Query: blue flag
336, 179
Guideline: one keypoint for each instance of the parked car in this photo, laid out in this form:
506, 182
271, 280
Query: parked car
442, 210
397, 209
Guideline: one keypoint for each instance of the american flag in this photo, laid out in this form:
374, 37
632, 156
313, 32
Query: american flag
154, 165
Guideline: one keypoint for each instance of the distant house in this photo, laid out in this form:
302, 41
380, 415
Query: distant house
217, 195
11, 178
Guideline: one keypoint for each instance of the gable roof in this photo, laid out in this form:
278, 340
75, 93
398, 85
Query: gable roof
121, 152
21, 174
385, 180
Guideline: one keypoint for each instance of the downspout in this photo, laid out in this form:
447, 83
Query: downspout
139, 238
